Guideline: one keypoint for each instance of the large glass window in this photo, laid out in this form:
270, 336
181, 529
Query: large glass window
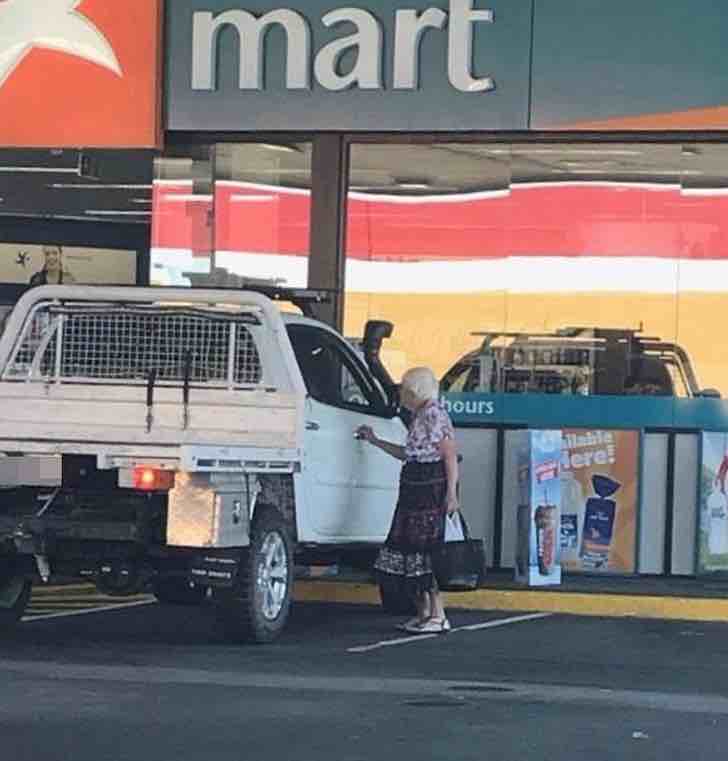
423, 249
589, 269
576, 286
232, 214
701, 245
592, 277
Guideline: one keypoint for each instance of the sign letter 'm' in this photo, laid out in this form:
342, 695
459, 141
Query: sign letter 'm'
251, 31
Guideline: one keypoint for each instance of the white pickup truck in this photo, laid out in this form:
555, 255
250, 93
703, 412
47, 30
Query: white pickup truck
189, 441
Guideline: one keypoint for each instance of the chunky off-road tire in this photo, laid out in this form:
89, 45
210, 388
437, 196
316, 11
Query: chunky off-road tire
393, 597
14, 597
256, 609
177, 592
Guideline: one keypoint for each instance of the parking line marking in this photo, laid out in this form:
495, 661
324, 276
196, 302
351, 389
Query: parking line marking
390, 642
469, 628
101, 609
502, 622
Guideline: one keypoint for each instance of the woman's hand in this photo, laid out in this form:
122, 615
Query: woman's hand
451, 504
365, 433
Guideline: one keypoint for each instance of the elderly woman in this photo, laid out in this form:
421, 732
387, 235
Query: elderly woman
427, 491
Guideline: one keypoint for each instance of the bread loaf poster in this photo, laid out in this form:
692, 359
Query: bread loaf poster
599, 496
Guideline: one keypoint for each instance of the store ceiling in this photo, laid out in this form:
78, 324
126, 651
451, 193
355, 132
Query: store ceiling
102, 185
470, 167
427, 169
117, 185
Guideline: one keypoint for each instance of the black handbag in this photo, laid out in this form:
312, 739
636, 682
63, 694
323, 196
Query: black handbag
460, 566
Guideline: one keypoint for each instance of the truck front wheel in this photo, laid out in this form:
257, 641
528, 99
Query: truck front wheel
14, 598
256, 608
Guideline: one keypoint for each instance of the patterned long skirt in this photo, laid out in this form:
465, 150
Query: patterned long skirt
418, 527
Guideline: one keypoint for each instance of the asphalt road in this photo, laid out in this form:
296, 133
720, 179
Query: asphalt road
154, 682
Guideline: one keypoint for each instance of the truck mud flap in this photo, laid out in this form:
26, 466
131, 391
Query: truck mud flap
216, 568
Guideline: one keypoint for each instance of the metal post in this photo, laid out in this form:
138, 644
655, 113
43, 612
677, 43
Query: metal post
498, 507
670, 505
327, 260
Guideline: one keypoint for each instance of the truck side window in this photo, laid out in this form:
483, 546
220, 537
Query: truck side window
330, 374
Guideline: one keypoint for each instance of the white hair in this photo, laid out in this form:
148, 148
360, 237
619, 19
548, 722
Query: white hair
422, 383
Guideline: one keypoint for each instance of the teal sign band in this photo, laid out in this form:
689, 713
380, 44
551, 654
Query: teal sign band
609, 412
442, 65
597, 60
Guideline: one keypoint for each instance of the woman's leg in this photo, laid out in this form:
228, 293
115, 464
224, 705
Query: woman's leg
424, 606
436, 607
436, 622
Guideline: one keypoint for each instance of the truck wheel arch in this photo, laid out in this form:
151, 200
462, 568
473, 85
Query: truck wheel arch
256, 608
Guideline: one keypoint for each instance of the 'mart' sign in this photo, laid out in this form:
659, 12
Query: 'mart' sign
447, 64
365, 45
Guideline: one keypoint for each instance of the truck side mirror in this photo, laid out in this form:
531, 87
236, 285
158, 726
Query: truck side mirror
375, 331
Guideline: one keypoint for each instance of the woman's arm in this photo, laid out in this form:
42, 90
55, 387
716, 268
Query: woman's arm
395, 450
365, 433
448, 450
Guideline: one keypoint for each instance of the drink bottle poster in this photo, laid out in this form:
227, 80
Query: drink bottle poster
599, 500
713, 532
539, 488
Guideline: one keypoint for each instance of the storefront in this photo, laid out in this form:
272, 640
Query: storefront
535, 194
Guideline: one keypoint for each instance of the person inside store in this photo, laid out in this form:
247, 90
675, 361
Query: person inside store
427, 493
53, 272
720, 476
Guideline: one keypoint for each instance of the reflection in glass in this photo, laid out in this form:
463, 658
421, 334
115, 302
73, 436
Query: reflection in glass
577, 361
262, 213
425, 246
232, 214
703, 260
590, 257
182, 220
558, 264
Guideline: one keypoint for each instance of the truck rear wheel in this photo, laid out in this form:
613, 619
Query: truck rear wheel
14, 597
256, 608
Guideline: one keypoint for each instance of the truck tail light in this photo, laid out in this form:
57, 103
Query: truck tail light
152, 479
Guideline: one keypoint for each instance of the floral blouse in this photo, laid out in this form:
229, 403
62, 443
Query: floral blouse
430, 426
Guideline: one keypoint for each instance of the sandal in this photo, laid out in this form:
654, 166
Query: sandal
431, 626
411, 624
